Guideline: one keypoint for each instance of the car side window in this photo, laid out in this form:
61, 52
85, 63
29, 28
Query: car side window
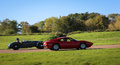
63, 39
68, 40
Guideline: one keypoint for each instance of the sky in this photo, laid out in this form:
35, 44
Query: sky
34, 11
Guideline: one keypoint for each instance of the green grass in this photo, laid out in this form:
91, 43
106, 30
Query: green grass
71, 57
5, 40
99, 38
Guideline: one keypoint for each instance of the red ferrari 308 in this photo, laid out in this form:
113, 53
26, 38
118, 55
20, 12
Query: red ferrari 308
66, 42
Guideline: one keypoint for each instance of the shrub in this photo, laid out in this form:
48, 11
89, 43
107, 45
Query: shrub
8, 31
74, 32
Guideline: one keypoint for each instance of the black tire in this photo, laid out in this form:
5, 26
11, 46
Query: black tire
40, 46
77, 48
55, 47
15, 47
83, 45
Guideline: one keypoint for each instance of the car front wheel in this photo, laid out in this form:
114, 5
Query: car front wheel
15, 47
55, 47
83, 46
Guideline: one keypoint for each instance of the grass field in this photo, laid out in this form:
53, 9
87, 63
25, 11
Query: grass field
71, 57
99, 38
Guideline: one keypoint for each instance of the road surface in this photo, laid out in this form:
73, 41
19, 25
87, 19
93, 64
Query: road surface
48, 50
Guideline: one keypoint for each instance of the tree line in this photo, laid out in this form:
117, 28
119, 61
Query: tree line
65, 24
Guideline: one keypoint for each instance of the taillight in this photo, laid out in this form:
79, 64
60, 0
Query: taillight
44, 43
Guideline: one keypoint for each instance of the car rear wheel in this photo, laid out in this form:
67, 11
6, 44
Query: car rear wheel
83, 45
55, 47
15, 47
40, 46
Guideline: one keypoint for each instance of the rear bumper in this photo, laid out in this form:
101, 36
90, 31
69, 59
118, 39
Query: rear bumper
45, 46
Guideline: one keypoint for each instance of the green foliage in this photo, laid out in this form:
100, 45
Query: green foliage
115, 25
49, 23
74, 32
70, 57
63, 25
112, 17
98, 22
92, 15
8, 27
25, 27
40, 25
90, 24
8, 31
33, 29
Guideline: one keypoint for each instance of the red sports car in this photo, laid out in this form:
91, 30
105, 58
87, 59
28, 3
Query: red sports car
66, 42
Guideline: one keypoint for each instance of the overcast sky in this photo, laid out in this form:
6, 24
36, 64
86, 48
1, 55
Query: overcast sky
34, 11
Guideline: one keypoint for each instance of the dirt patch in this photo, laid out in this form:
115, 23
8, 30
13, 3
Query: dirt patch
41, 50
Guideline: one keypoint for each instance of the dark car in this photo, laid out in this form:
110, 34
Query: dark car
25, 44
66, 42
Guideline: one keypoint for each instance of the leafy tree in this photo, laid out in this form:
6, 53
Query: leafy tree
101, 22
33, 29
40, 25
90, 23
49, 23
82, 16
98, 22
77, 24
92, 15
115, 25
112, 17
7, 26
25, 27
63, 25
111, 26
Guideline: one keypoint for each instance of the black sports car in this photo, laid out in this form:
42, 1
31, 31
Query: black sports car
25, 44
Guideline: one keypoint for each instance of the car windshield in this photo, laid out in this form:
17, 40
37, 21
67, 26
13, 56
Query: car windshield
73, 39
23, 40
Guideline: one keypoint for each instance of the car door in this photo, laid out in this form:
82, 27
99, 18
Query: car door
62, 43
25, 44
65, 43
72, 43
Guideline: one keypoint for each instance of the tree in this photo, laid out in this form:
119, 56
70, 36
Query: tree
101, 22
25, 27
98, 22
49, 23
82, 16
40, 25
112, 17
77, 24
90, 23
33, 29
115, 25
92, 15
8, 27
63, 25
